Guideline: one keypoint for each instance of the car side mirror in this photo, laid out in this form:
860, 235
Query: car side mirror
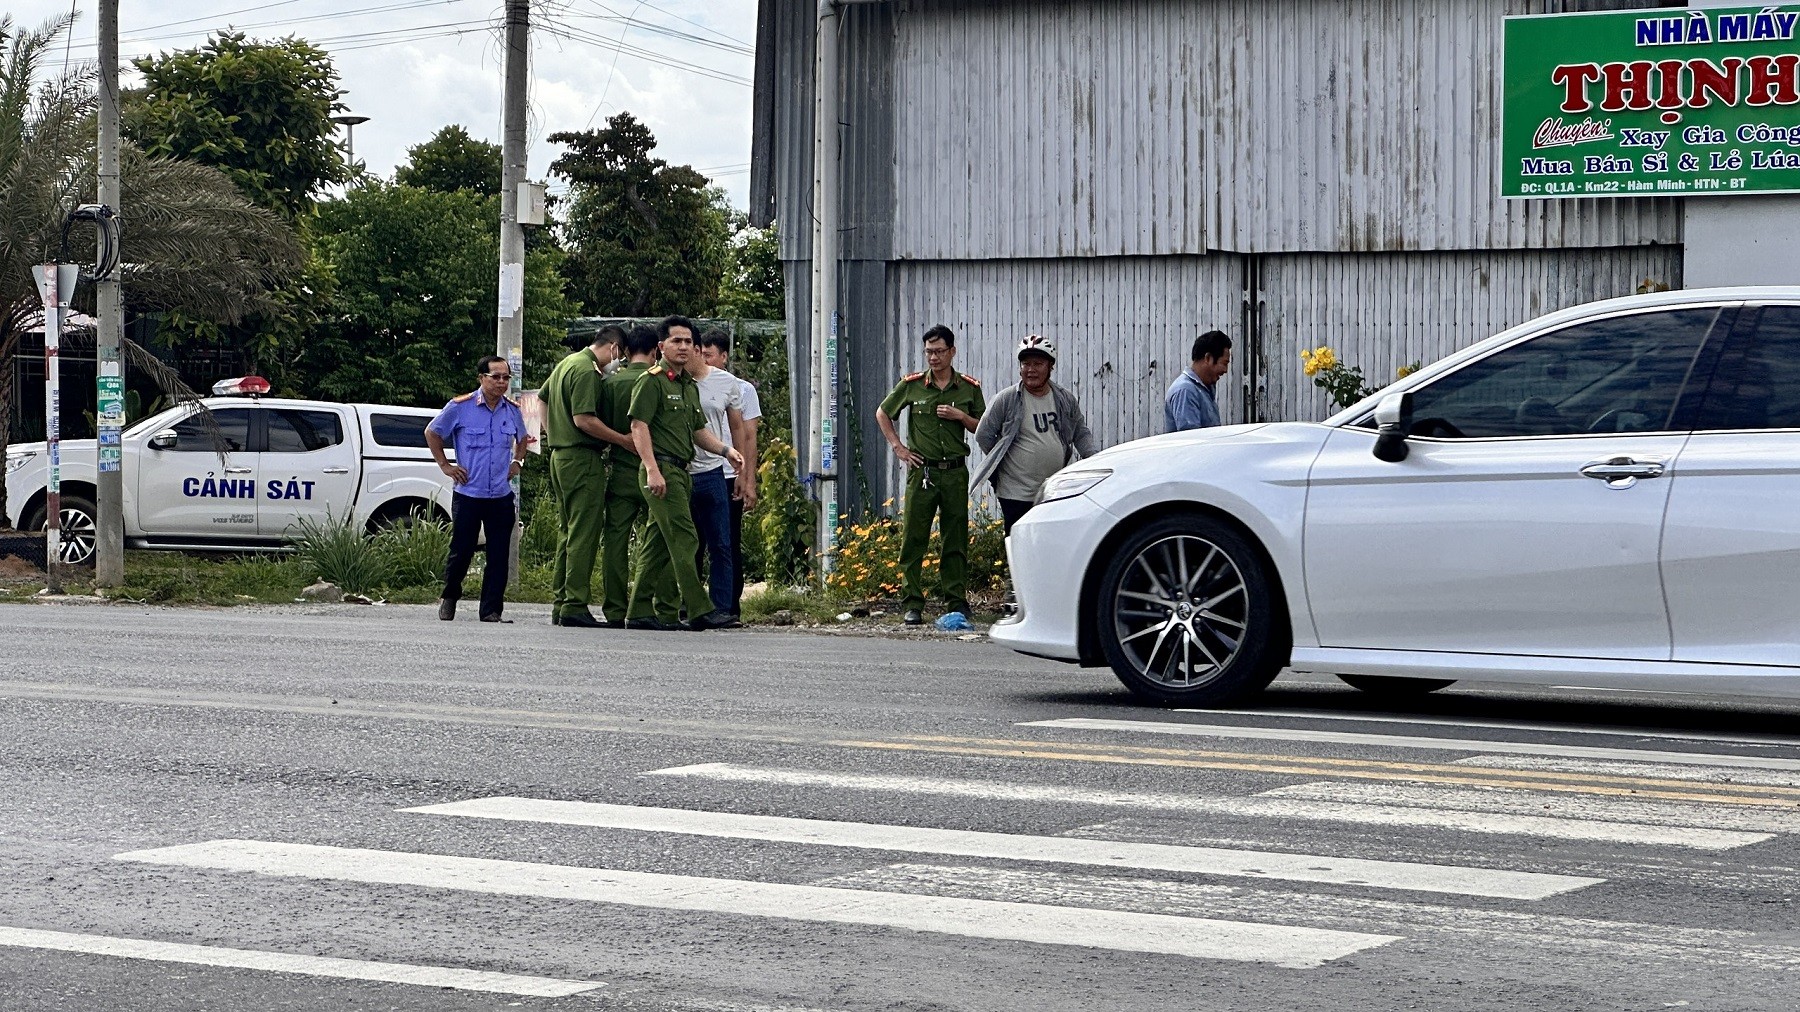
1393, 420
164, 440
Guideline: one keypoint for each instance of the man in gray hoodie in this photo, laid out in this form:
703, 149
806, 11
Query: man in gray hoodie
1030, 431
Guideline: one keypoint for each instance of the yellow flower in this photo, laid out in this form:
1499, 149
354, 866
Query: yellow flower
1405, 371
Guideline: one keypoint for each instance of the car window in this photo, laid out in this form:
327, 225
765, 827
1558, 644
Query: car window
298, 431
1621, 374
193, 435
399, 430
1757, 383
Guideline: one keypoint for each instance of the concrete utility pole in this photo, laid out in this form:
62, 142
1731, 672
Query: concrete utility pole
510, 342
824, 451
109, 523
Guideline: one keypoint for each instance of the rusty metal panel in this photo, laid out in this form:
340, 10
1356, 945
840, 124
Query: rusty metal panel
1382, 311
1124, 326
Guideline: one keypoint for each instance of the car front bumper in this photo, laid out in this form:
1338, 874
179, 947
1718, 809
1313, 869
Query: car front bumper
1048, 554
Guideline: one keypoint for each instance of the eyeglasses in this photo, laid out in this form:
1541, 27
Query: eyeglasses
497, 376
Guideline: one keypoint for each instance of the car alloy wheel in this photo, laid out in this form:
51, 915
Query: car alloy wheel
77, 539
1180, 612
1185, 614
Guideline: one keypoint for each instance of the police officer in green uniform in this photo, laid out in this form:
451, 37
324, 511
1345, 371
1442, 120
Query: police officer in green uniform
625, 508
578, 442
945, 406
666, 423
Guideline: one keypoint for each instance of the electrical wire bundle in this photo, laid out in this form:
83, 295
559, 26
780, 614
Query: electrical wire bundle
106, 239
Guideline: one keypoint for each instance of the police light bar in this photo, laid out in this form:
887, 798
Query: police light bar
242, 385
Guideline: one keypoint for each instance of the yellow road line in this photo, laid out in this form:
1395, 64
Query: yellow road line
1300, 766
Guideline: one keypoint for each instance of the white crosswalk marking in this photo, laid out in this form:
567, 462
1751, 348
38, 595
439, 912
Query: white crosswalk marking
1508, 725
1297, 947
1012, 847
282, 962
1271, 804
1752, 825
1656, 770
1408, 741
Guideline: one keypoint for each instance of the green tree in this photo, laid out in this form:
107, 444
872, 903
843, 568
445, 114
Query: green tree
192, 238
644, 237
417, 288
452, 160
259, 111
751, 288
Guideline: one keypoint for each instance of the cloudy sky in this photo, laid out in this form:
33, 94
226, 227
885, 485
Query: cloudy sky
412, 66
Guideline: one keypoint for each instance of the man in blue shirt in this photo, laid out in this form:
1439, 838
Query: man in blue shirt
1190, 402
489, 435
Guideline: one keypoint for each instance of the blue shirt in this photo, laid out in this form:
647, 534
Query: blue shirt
484, 438
1190, 404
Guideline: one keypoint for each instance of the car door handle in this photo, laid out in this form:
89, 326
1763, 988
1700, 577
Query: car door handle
237, 470
337, 470
1623, 472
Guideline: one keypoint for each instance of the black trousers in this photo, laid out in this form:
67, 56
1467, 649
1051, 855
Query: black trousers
737, 554
1010, 512
469, 518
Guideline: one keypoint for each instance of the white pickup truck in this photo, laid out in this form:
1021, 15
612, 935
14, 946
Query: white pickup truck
284, 460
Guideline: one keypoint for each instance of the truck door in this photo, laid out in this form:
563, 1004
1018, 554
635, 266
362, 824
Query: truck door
308, 470
184, 489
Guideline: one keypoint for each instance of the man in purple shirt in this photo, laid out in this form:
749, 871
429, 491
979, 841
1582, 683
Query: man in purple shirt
489, 435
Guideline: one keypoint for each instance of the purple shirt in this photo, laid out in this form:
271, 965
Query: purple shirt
484, 438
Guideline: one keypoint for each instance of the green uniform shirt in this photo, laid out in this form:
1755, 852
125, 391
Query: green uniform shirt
926, 434
572, 389
668, 400
615, 402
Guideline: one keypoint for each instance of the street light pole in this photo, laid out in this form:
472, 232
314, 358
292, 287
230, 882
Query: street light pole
349, 122
509, 341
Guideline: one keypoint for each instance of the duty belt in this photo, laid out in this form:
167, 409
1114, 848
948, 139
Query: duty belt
946, 464
673, 461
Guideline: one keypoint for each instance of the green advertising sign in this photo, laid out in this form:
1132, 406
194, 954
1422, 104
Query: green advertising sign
1652, 102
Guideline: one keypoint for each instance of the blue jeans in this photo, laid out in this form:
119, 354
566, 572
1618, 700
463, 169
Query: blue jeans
712, 518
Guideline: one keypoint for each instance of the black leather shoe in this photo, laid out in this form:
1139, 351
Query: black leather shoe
614, 623
714, 620
496, 618
446, 609
913, 617
649, 624
581, 620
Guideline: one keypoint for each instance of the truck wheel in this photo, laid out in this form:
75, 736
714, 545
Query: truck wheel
78, 518
403, 514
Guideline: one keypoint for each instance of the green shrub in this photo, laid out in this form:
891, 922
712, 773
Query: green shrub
778, 546
339, 554
414, 552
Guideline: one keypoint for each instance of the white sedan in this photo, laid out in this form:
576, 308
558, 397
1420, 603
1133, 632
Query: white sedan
1607, 496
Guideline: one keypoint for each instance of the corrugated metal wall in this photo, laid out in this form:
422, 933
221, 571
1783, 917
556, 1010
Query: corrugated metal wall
982, 129
1384, 310
1124, 326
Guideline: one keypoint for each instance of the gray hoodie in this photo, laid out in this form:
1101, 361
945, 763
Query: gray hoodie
1000, 427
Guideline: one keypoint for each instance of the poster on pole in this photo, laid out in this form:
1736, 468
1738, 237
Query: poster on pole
1658, 102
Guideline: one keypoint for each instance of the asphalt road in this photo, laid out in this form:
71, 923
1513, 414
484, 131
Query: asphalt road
364, 808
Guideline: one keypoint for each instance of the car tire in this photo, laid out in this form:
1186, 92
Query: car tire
403, 514
1186, 615
79, 520
1388, 685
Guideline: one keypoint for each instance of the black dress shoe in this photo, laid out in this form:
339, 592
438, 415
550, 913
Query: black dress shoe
614, 623
496, 618
714, 620
581, 620
650, 624
913, 617
446, 609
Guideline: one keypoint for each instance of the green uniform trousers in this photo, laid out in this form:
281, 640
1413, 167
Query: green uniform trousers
578, 478
945, 494
667, 577
625, 511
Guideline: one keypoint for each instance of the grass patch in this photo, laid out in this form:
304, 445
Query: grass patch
801, 604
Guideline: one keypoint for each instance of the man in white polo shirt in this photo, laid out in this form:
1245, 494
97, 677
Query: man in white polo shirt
722, 401
715, 348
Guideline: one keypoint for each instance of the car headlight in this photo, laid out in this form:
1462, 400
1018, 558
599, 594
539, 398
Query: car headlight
1067, 484
14, 461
